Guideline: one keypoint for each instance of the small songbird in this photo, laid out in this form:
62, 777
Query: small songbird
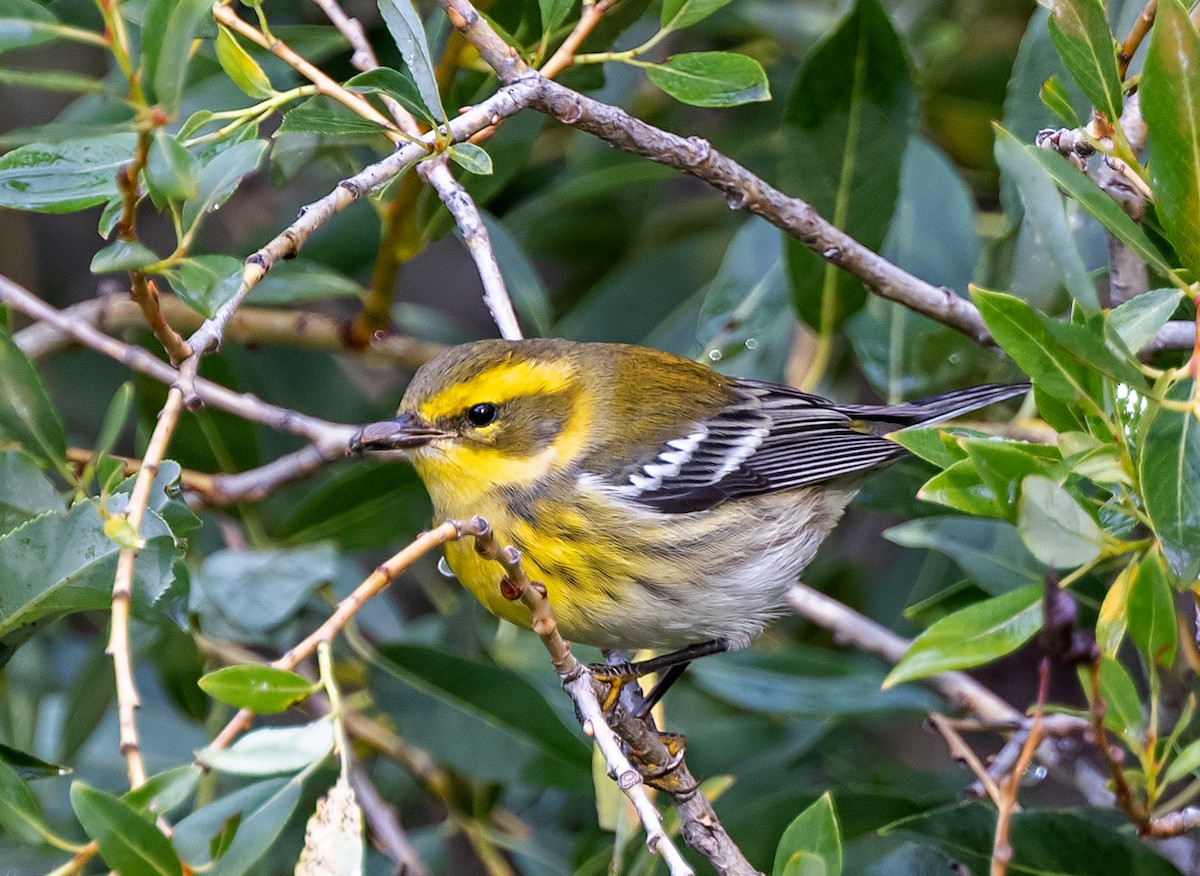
662, 505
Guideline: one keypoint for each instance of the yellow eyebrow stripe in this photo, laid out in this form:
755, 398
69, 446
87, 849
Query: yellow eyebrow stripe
499, 384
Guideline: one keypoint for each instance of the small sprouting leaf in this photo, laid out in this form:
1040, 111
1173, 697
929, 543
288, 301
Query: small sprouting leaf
64, 177
711, 79
221, 177
1054, 525
813, 834
1044, 211
405, 26
1169, 473
261, 689
972, 636
171, 170
1056, 99
118, 528
678, 14
471, 158
272, 750
1153, 626
1139, 319
1084, 41
122, 255
129, 842
1170, 93
26, 414
240, 67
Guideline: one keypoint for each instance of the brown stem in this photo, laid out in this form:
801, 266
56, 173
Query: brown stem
1124, 794
1137, 33
564, 56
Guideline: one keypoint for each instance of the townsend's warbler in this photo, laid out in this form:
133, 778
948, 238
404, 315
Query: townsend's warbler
661, 503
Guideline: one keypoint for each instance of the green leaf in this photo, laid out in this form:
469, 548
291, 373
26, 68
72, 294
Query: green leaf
27, 767
1139, 319
1186, 762
1055, 527
972, 636
848, 121
264, 810
64, 177
220, 178
23, 23
1123, 713
129, 843
206, 282
50, 80
1170, 94
1169, 474
122, 255
1045, 213
1056, 99
1044, 842
398, 85
990, 551
175, 24
20, 812
813, 834
471, 158
164, 791
240, 67
271, 750
171, 170
322, 116
25, 492
26, 414
1153, 626
1112, 620
554, 13
63, 562
1102, 208
529, 295
962, 488
407, 30
678, 14
1084, 41
938, 445
712, 79
261, 689
1022, 335
115, 418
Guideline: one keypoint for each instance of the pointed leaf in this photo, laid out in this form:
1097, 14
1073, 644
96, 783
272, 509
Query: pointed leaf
261, 689
1084, 41
23, 23
129, 843
1056, 99
398, 85
122, 255
26, 413
64, 177
554, 13
678, 14
1054, 525
20, 812
221, 177
175, 24
407, 30
240, 67
1139, 319
711, 79
813, 834
1153, 626
1169, 473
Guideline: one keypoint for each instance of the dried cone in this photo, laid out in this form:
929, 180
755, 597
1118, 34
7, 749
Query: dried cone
333, 844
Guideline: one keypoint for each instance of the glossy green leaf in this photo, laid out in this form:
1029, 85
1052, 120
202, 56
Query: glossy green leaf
206, 282
1022, 335
847, 119
220, 177
20, 812
258, 812
1054, 526
1045, 842
972, 636
1084, 40
813, 834
129, 842
554, 13
320, 115
272, 750
1045, 213
122, 255
406, 29
27, 415
64, 177
1056, 99
1169, 473
171, 170
711, 79
1139, 319
962, 488
25, 492
1170, 95
240, 67
471, 158
401, 86
1153, 626
164, 791
1002, 465
1123, 707
24, 23
175, 24
1112, 620
1102, 208
26, 766
261, 689
989, 550
1183, 764
678, 14
938, 445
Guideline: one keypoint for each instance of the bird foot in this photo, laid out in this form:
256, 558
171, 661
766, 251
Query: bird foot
665, 776
616, 676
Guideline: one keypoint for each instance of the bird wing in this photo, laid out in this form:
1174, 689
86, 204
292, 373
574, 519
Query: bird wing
775, 437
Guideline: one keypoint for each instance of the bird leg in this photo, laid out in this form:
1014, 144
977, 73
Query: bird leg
672, 665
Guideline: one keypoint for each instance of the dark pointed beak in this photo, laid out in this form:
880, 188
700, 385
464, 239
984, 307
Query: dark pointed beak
406, 432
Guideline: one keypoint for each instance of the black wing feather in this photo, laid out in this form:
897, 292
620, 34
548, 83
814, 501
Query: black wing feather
779, 438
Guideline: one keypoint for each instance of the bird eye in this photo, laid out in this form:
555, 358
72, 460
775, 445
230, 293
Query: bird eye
482, 414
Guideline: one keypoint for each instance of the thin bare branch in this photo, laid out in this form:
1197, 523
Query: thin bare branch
390, 836
1010, 785
564, 55
963, 753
